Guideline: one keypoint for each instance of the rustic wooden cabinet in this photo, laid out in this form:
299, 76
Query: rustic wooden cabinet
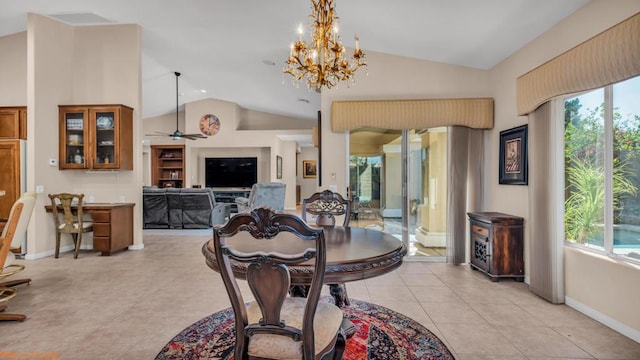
96, 137
13, 122
497, 244
10, 174
167, 165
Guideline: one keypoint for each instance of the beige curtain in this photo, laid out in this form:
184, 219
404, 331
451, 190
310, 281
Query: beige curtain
412, 114
607, 58
466, 160
610, 57
546, 275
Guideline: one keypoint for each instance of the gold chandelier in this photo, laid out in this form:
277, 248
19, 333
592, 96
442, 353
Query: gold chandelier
322, 60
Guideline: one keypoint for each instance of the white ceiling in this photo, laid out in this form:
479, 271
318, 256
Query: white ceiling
224, 46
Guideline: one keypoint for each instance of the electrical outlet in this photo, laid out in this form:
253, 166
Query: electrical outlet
122, 198
53, 162
40, 189
91, 199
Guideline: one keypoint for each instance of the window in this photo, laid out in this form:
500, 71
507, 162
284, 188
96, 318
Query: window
602, 169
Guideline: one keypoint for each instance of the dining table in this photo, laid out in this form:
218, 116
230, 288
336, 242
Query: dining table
353, 254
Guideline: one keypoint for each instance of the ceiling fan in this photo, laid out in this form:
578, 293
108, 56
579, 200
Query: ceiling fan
177, 135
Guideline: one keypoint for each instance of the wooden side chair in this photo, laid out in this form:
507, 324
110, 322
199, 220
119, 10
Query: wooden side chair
12, 235
326, 206
70, 221
277, 326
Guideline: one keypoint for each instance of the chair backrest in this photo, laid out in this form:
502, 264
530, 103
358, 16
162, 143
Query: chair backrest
326, 205
247, 239
65, 223
16, 226
269, 194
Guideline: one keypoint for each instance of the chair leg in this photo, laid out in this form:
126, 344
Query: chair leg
12, 283
3, 307
340, 345
77, 238
57, 245
339, 294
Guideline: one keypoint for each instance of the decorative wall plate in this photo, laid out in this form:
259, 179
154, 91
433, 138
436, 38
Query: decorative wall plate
209, 124
104, 122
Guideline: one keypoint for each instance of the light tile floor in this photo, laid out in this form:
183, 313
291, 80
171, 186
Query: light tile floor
129, 305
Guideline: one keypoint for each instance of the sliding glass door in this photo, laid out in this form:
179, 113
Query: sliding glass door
384, 165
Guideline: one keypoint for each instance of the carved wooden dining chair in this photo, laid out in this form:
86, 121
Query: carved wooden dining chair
326, 206
277, 326
70, 221
11, 237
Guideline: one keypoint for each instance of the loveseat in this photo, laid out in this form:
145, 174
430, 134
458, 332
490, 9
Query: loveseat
178, 208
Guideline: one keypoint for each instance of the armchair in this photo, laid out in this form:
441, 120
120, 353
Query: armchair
263, 194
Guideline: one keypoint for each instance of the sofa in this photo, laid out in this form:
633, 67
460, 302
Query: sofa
181, 208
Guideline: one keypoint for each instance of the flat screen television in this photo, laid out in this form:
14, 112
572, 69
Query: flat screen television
231, 172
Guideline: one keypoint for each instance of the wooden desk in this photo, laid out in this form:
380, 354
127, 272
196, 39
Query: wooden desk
352, 254
112, 225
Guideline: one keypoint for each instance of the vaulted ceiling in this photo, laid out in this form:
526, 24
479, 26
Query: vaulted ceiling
235, 49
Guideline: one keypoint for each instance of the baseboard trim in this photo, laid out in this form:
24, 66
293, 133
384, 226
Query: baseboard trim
136, 247
625, 330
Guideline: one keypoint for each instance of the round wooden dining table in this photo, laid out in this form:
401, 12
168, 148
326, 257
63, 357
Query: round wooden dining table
352, 254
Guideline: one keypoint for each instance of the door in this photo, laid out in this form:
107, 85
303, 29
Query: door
398, 182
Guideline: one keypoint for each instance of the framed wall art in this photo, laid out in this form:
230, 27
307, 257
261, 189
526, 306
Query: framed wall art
278, 167
309, 169
513, 156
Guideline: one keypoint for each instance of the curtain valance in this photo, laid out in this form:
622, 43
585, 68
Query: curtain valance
412, 114
607, 58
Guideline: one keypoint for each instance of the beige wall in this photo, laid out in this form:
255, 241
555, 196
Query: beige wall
78, 65
13, 70
580, 288
229, 141
392, 77
307, 186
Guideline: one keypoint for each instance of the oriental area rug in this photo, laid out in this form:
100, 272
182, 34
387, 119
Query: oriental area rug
380, 334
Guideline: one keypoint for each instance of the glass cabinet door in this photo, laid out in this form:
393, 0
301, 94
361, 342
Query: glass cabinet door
75, 139
103, 148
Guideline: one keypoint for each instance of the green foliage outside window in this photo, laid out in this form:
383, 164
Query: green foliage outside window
584, 146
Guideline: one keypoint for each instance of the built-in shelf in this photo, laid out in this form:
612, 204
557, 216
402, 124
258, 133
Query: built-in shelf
167, 165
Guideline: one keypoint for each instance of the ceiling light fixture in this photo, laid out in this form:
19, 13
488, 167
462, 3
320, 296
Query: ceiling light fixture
322, 60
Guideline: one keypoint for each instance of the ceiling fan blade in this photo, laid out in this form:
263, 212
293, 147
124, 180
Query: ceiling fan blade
193, 136
199, 136
158, 134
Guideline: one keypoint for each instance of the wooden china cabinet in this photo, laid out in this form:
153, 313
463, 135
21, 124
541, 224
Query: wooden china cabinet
13, 122
13, 130
96, 137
